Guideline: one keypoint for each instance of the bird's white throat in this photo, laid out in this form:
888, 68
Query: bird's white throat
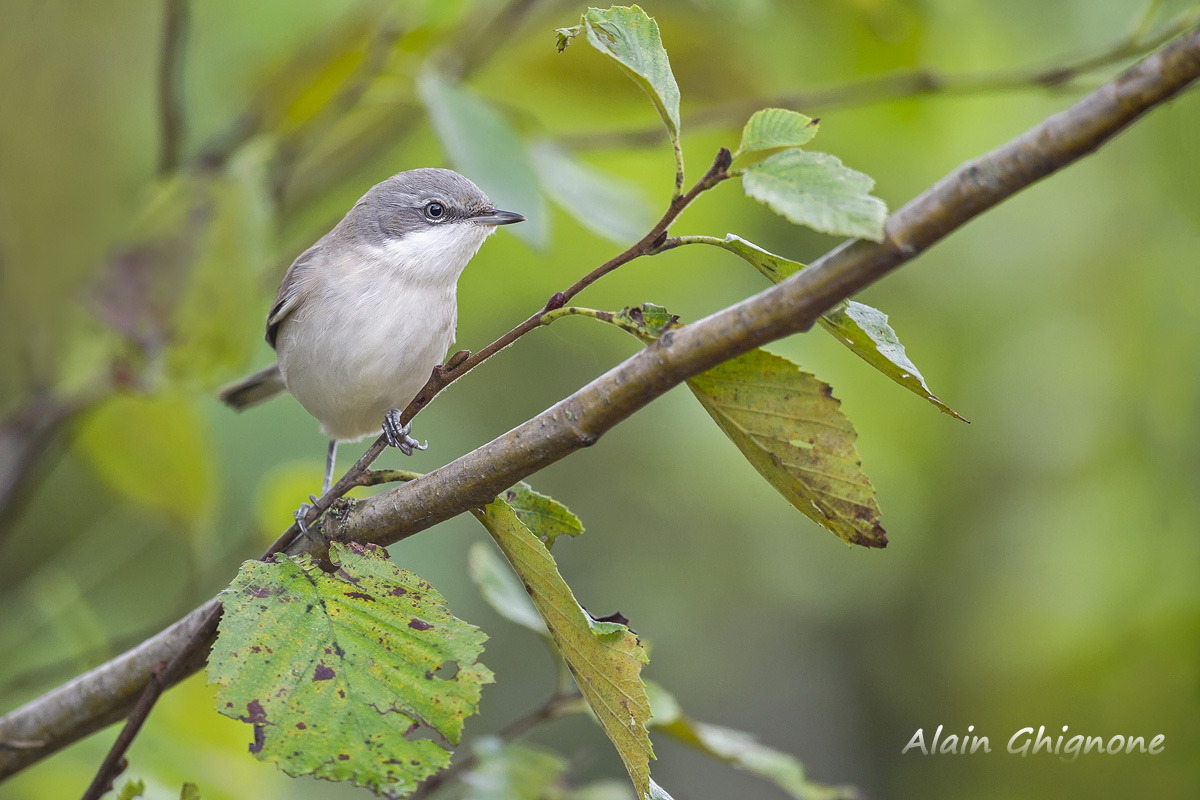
436, 256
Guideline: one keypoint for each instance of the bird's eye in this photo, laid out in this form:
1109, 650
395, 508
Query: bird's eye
435, 210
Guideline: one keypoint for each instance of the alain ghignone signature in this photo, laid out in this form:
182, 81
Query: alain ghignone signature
1026, 742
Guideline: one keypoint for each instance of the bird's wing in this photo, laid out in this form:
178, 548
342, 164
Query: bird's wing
292, 291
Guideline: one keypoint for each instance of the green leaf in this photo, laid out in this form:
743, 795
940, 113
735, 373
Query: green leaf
602, 204
864, 330
512, 772
501, 589
630, 37
605, 658
815, 190
646, 321
337, 672
190, 791
774, 129
480, 144
132, 790
154, 450
791, 429
545, 516
738, 749
563, 36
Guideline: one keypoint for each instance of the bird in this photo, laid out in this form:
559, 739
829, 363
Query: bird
363, 316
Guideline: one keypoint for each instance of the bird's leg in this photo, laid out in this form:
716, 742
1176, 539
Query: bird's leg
330, 461
397, 434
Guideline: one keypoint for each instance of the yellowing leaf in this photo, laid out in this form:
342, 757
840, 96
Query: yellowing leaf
338, 672
154, 450
605, 658
816, 190
774, 129
861, 328
791, 429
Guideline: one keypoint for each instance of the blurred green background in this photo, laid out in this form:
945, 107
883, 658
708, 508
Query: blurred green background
1044, 560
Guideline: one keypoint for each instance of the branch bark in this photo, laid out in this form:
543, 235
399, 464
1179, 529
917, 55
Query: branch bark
106, 693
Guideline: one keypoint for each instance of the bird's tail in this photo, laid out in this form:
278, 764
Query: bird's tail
254, 389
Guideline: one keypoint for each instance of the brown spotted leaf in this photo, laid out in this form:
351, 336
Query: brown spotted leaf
605, 657
790, 428
338, 673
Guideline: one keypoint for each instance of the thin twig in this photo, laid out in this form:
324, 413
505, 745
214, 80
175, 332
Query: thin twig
895, 86
114, 763
170, 85
106, 693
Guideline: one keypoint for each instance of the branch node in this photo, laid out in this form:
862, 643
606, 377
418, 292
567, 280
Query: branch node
556, 301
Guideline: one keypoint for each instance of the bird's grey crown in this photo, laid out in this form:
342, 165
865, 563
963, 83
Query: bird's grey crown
397, 206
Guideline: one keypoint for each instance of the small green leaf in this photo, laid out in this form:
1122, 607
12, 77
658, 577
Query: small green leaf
132, 790
545, 516
647, 321
774, 129
864, 330
501, 589
190, 791
602, 204
480, 143
816, 190
563, 36
512, 772
605, 658
791, 429
630, 37
738, 749
156, 451
337, 672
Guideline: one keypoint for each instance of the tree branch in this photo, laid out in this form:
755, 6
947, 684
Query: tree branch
106, 693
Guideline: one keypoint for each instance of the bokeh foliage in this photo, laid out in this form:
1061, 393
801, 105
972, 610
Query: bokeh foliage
1043, 560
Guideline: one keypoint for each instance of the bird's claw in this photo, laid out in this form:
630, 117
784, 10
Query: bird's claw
398, 434
302, 515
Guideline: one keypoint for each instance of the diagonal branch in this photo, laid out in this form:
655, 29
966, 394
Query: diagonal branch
106, 693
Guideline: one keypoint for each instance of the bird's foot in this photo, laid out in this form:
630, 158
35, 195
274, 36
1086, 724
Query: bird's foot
302, 515
398, 435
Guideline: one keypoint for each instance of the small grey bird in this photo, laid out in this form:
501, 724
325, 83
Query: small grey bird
365, 314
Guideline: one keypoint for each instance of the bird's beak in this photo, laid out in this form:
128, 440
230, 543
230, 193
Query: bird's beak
495, 216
